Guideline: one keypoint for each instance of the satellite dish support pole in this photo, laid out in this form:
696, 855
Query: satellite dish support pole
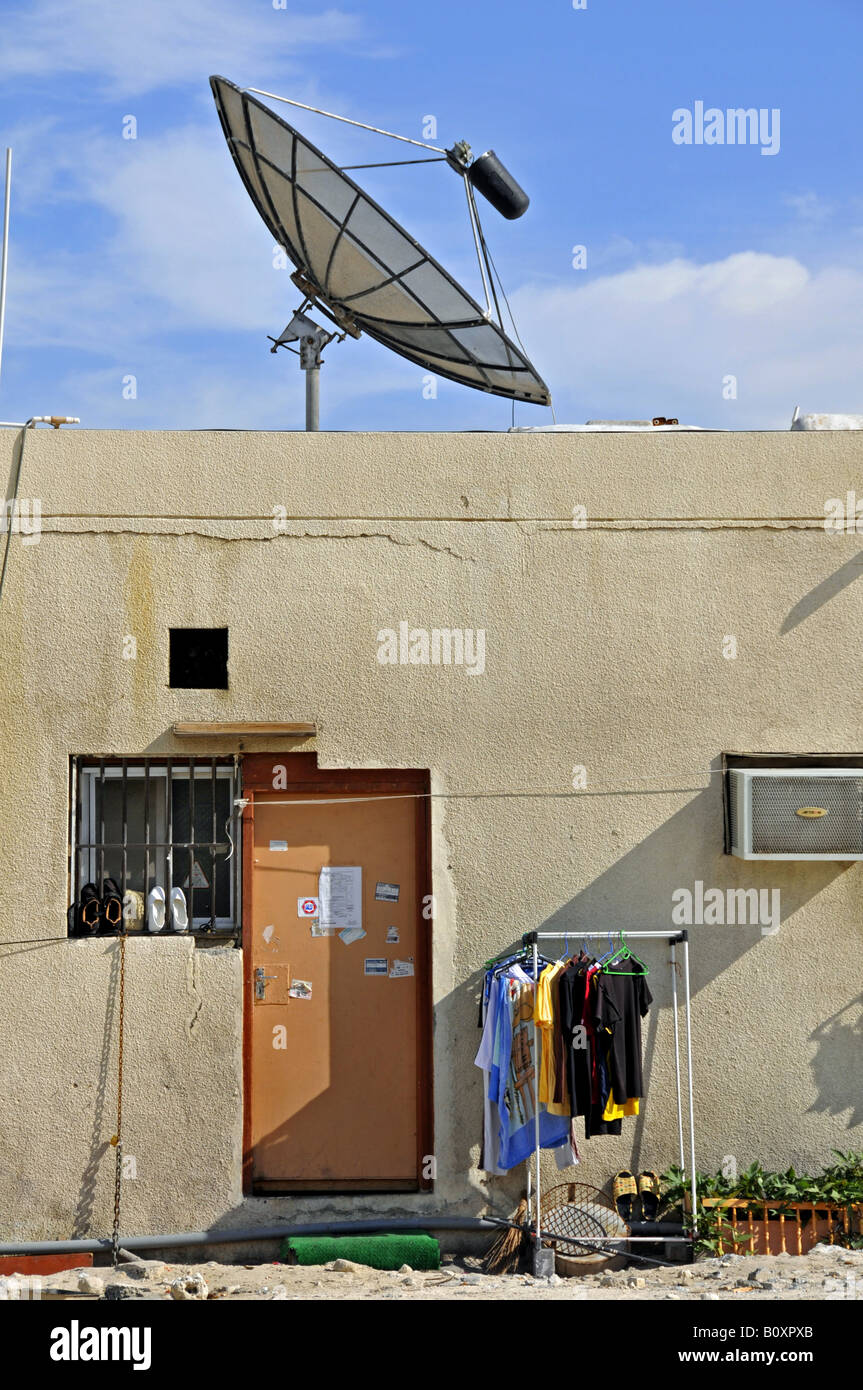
312, 340
312, 370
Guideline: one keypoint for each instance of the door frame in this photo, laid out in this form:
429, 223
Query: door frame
304, 775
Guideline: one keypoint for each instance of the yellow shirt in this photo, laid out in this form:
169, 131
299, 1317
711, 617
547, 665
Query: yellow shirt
544, 1018
613, 1111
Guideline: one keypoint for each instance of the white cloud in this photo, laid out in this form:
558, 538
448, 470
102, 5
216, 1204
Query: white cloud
186, 252
660, 339
135, 48
809, 207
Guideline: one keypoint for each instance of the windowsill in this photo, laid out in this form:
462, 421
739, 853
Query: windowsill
199, 933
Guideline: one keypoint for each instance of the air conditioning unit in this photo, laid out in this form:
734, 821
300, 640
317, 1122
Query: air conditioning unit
796, 813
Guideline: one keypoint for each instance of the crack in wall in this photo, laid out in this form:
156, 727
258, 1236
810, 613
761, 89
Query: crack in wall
192, 972
268, 540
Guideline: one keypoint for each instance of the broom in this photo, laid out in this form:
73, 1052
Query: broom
507, 1250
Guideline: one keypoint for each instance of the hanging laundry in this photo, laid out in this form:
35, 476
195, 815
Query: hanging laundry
510, 1067
602, 1004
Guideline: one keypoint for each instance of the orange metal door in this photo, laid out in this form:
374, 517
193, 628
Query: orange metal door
334, 1098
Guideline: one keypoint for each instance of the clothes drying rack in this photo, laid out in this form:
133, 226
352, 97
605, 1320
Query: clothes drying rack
674, 939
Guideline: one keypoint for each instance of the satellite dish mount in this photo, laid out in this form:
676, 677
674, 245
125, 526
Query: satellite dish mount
312, 340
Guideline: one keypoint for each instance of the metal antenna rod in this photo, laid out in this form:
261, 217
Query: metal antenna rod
471, 208
5, 253
423, 144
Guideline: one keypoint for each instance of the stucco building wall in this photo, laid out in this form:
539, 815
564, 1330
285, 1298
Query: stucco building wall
605, 647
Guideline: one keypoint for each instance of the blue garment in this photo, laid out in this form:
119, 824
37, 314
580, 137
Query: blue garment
506, 1055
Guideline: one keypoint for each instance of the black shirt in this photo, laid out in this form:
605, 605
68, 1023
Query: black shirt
621, 1003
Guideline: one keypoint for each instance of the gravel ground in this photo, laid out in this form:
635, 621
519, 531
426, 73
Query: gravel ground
828, 1272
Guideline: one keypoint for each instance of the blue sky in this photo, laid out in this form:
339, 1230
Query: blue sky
144, 258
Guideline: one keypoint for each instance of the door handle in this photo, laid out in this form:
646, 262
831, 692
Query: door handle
261, 981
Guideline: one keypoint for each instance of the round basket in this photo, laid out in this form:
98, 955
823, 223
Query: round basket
575, 1215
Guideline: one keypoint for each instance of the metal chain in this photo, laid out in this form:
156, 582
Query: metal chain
117, 1140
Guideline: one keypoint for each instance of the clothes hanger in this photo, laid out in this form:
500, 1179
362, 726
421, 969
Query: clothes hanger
610, 952
624, 953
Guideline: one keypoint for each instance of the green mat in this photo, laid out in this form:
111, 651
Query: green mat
415, 1248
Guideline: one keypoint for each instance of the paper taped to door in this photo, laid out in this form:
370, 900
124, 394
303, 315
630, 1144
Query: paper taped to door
340, 896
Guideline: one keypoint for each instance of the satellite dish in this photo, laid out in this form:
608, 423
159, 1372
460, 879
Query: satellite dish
360, 268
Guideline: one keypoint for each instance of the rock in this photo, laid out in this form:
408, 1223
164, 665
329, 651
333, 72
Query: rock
114, 1292
409, 1282
713, 1297
472, 1279
638, 1283
345, 1267
405, 1269
279, 1292
91, 1283
607, 1281
189, 1286
145, 1269
554, 1280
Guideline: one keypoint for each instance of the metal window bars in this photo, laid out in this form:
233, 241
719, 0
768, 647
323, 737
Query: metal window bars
163, 831
674, 939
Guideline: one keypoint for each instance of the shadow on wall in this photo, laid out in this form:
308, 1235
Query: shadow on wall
635, 893
824, 592
82, 1227
836, 1039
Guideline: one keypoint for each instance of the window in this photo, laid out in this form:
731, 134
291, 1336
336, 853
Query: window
166, 822
198, 658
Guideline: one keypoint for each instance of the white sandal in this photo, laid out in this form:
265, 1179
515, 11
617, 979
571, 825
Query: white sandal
156, 909
179, 910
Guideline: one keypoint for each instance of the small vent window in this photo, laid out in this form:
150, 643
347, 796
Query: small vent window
198, 658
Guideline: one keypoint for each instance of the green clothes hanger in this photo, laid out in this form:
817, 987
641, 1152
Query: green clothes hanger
623, 953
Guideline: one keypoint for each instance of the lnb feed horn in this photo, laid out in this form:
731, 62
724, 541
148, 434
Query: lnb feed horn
493, 180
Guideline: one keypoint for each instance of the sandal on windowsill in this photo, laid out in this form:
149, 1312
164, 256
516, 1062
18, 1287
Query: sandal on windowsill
112, 906
89, 910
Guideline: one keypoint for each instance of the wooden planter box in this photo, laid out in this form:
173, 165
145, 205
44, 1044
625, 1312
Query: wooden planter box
794, 1228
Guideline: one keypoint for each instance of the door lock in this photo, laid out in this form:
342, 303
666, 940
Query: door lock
261, 981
